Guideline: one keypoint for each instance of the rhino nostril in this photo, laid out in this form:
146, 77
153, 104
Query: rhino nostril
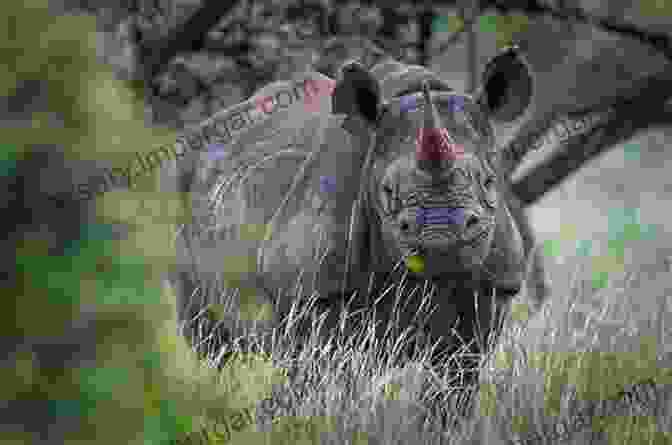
471, 221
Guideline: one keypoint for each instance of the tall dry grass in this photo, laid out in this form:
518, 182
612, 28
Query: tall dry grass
384, 386
586, 369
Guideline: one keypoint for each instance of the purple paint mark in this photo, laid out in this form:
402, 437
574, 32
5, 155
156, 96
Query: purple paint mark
217, 151
456, 103
440, 215
327, 184
408, 103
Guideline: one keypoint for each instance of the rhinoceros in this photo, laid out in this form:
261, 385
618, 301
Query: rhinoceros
353, 183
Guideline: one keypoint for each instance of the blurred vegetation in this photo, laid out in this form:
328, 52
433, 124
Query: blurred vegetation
90, 349
89, 342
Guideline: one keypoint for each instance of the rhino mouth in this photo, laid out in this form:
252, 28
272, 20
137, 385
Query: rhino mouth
473, 237
461, 256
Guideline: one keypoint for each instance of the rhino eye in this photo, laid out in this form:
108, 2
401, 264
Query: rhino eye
459, 178
391, 203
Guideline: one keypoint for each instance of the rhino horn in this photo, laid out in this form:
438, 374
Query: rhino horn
434, 145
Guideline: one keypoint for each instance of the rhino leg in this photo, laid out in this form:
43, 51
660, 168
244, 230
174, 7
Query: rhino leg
464, 322
536, 283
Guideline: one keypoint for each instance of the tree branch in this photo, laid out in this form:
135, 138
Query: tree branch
155, 54
660, 41
644, 111
426, 17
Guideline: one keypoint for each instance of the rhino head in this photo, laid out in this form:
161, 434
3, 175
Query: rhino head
435, 188
433, 185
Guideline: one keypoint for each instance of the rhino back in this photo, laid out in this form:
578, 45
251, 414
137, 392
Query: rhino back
269, 181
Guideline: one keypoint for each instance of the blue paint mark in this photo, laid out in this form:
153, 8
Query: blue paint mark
217, 151
327, 184
441, 215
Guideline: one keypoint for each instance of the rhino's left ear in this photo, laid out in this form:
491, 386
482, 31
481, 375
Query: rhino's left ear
357, 93
507, 87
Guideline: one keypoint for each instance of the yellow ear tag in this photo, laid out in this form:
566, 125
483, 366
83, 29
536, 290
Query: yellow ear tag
415, 263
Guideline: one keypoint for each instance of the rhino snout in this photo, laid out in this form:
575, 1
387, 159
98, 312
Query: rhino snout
456, 224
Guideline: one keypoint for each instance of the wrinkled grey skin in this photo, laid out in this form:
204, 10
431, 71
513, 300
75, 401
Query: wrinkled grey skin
339, 241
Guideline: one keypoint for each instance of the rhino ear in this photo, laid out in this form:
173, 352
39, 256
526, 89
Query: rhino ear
357, 93
507, 86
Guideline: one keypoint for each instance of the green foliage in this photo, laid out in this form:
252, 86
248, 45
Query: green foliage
551, 247
143, 384
631, 152
624, 226
583, 247
596, 376
507, 27
633, 430
447, 23
600, 280
655, 8
488, 23
8, 155
620, 219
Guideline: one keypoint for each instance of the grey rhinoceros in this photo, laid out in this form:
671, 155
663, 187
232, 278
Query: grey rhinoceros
340, 182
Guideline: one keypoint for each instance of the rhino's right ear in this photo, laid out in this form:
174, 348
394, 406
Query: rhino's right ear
357, 93
507, 86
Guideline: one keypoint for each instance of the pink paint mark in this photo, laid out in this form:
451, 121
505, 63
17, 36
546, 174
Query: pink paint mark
313, 89
263, 104
436, 144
